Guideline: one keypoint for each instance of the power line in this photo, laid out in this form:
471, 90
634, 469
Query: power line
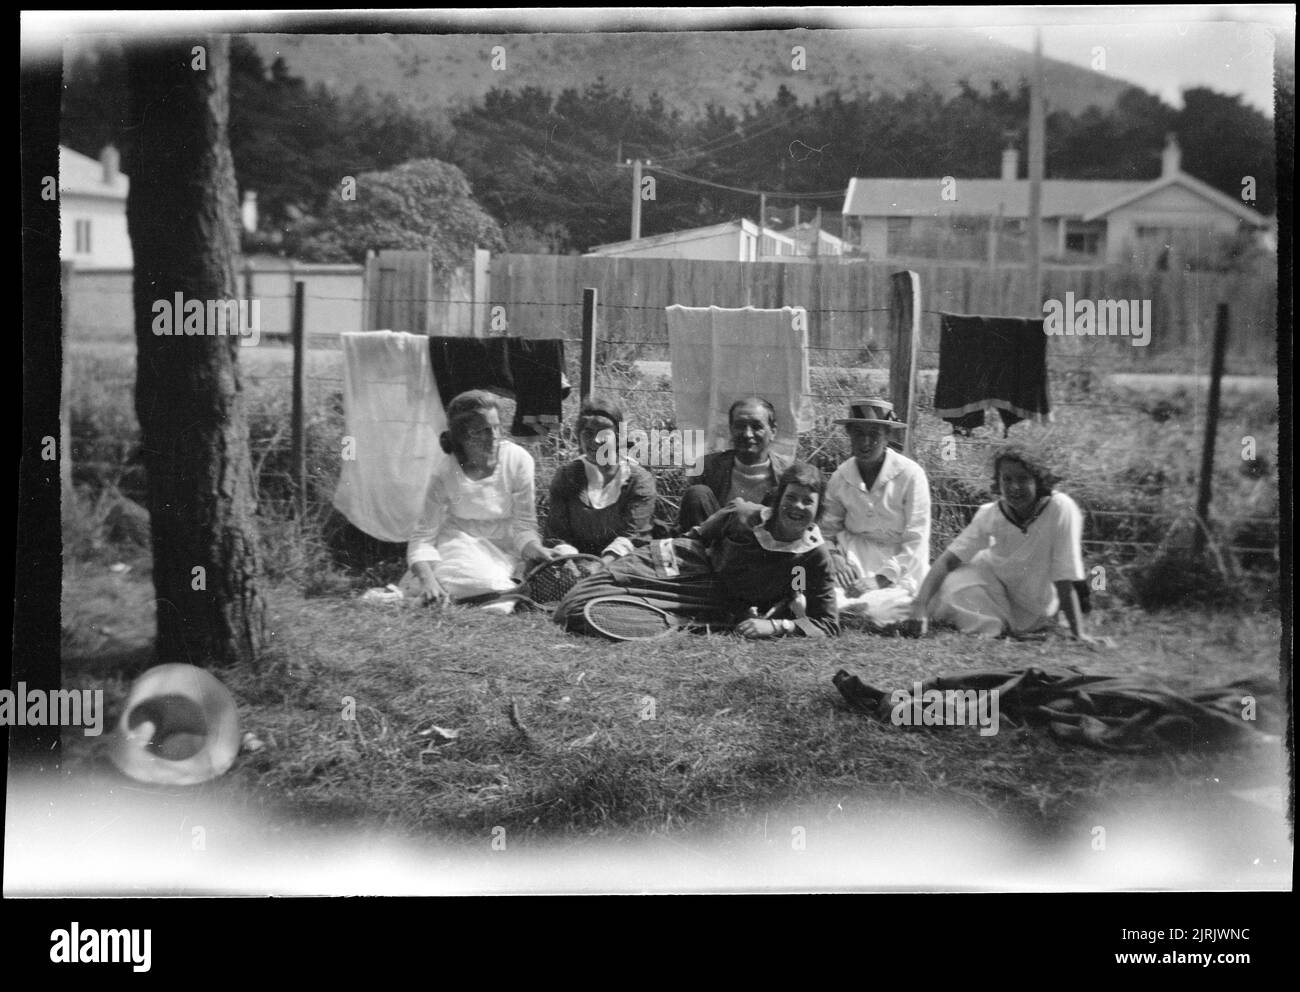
778, 194
706, 150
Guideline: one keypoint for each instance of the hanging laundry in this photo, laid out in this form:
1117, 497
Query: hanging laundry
720, 355
991, 363
462, 364
529, 371
540, 386
394, 414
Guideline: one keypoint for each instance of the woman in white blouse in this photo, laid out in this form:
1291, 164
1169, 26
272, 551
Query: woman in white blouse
1016, 564
478, 530
878, 516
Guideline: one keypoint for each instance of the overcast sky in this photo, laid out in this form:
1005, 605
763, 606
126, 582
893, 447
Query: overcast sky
1164, 49
1166, 58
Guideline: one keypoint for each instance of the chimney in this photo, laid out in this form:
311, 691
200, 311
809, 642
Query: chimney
248, 211
1010, 163
110, 160
1171, 159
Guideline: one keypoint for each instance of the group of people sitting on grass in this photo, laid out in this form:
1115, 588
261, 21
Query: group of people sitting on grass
761, 545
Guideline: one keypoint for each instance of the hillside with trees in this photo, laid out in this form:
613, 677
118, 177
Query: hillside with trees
547, 165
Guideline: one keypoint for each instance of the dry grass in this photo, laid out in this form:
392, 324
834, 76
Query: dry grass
699, 733
738, 729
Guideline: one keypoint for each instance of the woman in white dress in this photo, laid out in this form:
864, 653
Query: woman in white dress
878, 518
478, 530
1015, 565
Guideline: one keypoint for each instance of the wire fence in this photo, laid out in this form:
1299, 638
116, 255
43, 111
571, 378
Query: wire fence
1129, 458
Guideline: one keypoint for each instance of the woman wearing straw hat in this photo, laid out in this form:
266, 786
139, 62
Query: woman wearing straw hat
878, 517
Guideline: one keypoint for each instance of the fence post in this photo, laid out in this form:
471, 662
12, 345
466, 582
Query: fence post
588, 372
1211, 428
298, 452
480, 291
68, 267
904, 347
369, 292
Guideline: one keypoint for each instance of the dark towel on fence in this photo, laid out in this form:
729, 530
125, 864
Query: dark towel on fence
461, 364
991, 363
1117, 714
532, 372
540, 386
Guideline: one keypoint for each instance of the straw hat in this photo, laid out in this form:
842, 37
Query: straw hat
872, 411
179, 726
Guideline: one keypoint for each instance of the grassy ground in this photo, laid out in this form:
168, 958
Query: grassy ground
693, 737
697, 733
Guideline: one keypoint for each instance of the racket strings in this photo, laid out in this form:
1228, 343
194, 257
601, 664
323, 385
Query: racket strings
552, 582
627, 620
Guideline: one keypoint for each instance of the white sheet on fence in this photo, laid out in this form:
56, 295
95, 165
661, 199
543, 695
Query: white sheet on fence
721, 354
393, 415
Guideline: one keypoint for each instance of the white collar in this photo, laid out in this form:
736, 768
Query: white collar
889, 468
600, 493
1035, 512
809, 539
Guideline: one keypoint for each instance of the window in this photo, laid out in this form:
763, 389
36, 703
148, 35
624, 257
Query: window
83, 237
1082, 242
1081, 238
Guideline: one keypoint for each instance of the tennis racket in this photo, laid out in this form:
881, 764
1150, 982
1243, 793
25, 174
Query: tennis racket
545, 584
626, 618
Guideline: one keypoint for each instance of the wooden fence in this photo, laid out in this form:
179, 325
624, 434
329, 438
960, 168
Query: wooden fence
848, 302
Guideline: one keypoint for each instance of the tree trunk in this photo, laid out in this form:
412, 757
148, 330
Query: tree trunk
182, 214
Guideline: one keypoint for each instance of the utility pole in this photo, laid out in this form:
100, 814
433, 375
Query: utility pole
762, 220
1037, 143
635, 165
636, 199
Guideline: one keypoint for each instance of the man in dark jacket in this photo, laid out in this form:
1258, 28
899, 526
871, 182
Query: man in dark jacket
748, 470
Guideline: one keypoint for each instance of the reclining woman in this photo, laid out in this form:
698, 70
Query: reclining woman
478, 530
743, 561
1014, 566
601, 503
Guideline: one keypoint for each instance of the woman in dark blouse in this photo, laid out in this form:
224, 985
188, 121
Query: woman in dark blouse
744, 560
601, 503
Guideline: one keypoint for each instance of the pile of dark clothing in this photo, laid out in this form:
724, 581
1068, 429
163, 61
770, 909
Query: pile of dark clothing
1109, 712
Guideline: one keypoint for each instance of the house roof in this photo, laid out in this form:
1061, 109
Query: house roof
82, 174
689, 234
1190, 183
782, 218
807, 232
1089, 199
923, 197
